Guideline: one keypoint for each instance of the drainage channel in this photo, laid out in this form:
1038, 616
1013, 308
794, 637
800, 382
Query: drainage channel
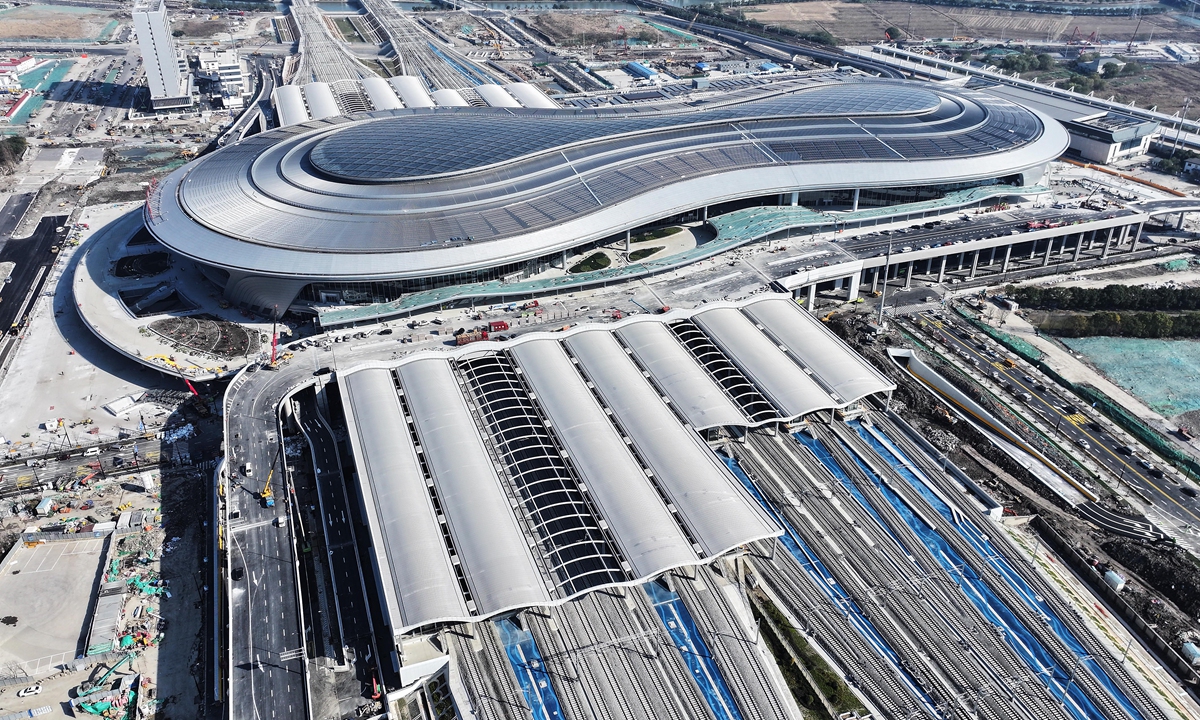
530, 670
829, 587
1017, 635
692, 648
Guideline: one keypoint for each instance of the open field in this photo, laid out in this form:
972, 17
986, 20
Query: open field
55, 22
866, 22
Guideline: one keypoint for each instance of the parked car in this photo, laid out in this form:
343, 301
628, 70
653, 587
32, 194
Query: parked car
30, 691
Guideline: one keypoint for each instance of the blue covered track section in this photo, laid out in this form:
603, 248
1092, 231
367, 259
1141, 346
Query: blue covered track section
526, 661
827, 584
1016, 634
692, 648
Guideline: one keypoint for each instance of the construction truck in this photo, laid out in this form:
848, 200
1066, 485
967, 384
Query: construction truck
266, 495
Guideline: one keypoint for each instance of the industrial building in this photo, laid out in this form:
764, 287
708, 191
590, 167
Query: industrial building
166, 71
1109, 136
325, 209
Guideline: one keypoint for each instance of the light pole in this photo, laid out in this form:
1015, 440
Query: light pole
887, 262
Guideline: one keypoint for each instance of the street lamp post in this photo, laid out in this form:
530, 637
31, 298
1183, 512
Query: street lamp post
887, 262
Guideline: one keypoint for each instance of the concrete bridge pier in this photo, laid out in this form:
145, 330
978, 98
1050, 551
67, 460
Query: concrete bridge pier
974, 265
1007, 255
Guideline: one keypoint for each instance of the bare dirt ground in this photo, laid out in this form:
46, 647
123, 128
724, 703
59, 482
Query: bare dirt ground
199, 28
1164, 86
593, 29
41, 22
866, 22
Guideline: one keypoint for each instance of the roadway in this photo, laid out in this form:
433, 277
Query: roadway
261, 106
11, 214
267, 677
345, 565
33, 258
1073, 421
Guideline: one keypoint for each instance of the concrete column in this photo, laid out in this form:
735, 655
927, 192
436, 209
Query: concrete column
564, 260
627, 237
908, 276
795, 199
1033, 249
704, 213
1137, 236
874, 280
1107, 244
1049, 250
837, 284
1007, 255
992, 258
942, 270
974, 265
1078, 248
856, 193
855, 279
962, 258
1092, 240
1177, 227
812, 298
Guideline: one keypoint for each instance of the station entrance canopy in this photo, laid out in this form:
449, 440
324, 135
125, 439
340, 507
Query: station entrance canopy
509, 475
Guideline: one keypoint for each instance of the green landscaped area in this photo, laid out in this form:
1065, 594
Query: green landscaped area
656, 234
645, 253
591, 263
1165, 374
346, 28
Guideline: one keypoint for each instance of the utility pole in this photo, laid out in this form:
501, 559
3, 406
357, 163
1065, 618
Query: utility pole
887, 262
1182, 120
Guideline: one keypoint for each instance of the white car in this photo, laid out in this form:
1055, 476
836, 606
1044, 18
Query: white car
29, 691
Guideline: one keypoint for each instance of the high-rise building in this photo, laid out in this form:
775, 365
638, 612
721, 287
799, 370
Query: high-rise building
170, 85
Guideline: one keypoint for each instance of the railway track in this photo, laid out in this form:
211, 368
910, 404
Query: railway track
826, 622
1034, 620
1064, 612
724, 634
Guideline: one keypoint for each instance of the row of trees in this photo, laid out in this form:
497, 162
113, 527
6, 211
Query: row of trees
1132, 324
1110, 297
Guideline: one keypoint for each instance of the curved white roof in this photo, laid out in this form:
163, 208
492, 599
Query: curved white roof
530, 96
639, 479
708, 497
418, 579
412, 91
496, 96
321, 103
381, 94
782, 381
693, 392
650, 539
289, 105
493, 550
841, 370
449, 98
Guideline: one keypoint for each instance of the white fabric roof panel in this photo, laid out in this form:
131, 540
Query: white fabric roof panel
418, 580
381, 94
692, 391
719, 514
321, 103
496, 96
761, 360
530, 96
492, 548
648, 535
411, 91
449, 98
812, 345
289, 105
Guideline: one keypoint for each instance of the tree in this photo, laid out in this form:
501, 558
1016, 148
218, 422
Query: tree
1110, 71
894, 33
1045, 62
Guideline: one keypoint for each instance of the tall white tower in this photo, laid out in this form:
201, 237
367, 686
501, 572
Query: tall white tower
169, 87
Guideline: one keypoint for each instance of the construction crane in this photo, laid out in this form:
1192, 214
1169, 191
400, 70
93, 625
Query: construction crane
688, 29
266, 495
88, 688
